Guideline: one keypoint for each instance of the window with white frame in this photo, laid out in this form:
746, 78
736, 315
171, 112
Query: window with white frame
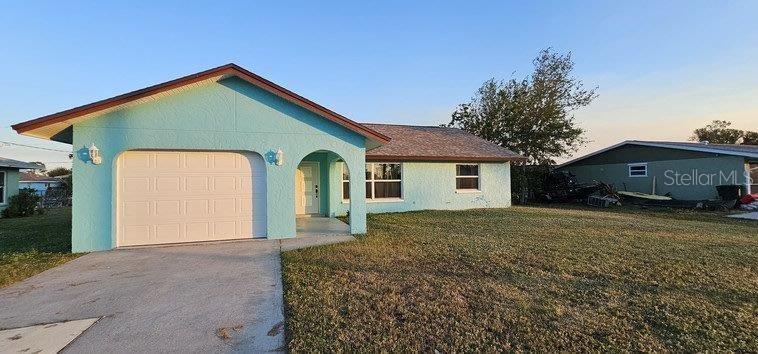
383, 181
2, 187
467, 177
637, 169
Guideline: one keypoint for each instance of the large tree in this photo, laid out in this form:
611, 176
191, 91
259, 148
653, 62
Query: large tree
532, 116
59, 171
719, 132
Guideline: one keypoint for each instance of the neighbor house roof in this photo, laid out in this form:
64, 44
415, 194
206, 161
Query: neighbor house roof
53, 126
750, 151
19, 164
429, 143
33, 177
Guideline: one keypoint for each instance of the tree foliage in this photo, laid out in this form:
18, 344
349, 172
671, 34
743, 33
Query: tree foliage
58, 171
532, 116
719, 132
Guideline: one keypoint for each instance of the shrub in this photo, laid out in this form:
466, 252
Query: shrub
23, 204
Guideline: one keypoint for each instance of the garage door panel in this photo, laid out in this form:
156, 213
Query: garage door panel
223, 207
168, 208
196, 208
224, 229
225, 184
170, 197
168, 184
198, 231
168, 161
168, 232
225, 163
196, 162
135, 161
136, 185
197, 183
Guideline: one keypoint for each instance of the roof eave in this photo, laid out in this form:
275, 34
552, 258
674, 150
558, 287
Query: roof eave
664, 146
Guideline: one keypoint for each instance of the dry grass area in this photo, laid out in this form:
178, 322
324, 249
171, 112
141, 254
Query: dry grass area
34, 244
529, 278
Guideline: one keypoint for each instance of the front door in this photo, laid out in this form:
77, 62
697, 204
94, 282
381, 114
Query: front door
308, 183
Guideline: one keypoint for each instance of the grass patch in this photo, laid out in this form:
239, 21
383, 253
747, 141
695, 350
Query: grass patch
529, 278
34, 244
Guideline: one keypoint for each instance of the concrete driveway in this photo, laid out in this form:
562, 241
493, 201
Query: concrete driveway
221, 297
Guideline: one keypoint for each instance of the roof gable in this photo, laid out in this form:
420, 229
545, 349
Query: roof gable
54, 126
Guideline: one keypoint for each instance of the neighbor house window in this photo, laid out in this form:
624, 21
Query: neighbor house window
467, 177
637, 169
2, 187
383, 181
753, 175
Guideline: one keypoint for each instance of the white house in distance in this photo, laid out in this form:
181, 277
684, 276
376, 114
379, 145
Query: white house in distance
40, 183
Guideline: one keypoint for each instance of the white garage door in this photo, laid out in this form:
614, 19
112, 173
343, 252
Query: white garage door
189, 196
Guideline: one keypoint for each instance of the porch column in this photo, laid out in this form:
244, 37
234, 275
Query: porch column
357, 169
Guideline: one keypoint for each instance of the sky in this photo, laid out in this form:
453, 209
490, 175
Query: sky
661, 69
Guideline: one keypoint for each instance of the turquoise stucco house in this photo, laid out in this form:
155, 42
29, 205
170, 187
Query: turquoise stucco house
226, 154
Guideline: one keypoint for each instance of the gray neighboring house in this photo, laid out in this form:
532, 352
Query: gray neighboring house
9, 175
688, 171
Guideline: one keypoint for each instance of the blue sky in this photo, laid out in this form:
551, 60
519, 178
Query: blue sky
662, 69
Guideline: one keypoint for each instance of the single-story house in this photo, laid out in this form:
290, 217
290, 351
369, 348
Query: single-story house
39, 183
9, 175
686, 171
226, 154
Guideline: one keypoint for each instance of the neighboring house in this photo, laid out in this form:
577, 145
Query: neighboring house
227, 154
688, 171
40, 183
9, 174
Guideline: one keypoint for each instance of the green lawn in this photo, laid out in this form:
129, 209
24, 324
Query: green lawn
529, 278
33, 244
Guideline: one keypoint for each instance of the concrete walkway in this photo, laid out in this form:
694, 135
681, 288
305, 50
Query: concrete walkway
750, 215
320, 226
222, 297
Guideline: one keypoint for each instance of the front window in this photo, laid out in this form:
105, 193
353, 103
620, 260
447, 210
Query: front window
467, 177
345, 183
383, 181
637, 169
2, 187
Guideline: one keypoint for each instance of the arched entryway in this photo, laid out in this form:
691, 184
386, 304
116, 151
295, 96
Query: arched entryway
321, 207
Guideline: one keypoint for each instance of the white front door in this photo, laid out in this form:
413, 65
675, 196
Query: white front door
308, 191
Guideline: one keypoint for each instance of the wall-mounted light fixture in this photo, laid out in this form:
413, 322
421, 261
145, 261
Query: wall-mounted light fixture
94, 154
279, 157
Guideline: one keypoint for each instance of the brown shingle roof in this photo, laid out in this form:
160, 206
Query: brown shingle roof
33, 177
428, 143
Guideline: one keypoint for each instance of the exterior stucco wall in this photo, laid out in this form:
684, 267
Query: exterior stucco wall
231, 115
11, 185
708, 173
431, 185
